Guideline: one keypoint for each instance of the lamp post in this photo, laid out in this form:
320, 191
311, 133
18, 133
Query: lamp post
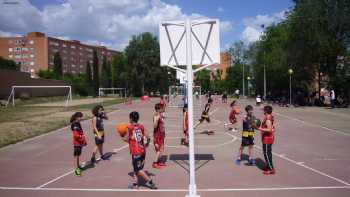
243, 81
248, 83
290, 72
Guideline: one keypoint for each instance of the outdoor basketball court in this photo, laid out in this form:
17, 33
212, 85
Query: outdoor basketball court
310, 159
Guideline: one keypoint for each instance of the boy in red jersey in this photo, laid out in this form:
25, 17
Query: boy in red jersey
79, 140
267, 129
136, 138
184, 141
232, 116
158, 135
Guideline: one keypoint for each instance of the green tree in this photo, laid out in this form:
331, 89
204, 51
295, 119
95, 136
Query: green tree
88, 78
57, 65
202, 78
95, 71
143, 66
8, 64
106, 73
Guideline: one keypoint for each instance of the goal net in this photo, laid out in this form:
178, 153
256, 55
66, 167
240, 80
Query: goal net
40, 91
119, 93
177, 96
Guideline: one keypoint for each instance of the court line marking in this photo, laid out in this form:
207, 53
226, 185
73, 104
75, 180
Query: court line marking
71, 171
175, 190
314, 125
307, 167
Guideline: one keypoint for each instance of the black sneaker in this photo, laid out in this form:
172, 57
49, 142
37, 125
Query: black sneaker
93, 160
151, 185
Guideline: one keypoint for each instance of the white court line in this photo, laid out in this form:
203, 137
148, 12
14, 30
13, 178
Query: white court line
71, 171
176, 190
307, 167
314, 125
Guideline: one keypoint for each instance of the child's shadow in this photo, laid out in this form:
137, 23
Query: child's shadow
141, 181
259, 163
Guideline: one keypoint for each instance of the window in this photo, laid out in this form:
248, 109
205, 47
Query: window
24, 56
81, 66
32, 63
72, 47
32, 55
31, 49
10, 56
53, 43
24, 49
51, 63
17, 56
81, 48
10, 49
64, 45
18, 49
31, 41
73, 71
64, 51
73, 66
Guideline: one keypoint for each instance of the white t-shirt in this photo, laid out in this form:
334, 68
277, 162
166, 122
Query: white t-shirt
332, 94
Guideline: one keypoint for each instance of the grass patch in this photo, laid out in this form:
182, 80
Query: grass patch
23, 122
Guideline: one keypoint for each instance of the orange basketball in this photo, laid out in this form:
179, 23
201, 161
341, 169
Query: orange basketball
122, 129
237, 109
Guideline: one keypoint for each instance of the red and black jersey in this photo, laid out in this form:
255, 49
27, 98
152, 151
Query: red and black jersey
232, 117
136, 143
78, 134
162, 103
268, 137
159, 130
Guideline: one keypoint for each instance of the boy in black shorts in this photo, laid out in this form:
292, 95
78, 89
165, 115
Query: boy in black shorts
138, 141
79, 140
205, 115
247, 135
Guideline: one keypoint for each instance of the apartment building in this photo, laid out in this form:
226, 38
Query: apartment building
36, 51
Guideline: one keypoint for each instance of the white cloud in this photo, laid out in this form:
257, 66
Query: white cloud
226, 26
220, 9
8, 34
111, 22
254, 26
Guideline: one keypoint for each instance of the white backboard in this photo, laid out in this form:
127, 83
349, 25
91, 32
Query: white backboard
205, 42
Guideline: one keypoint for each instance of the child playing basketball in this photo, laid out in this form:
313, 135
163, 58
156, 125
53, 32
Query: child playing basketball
184, 140
247, 135
267, 129
78, 139
158, 135
98, 129
232, 117
205, 115
136, 138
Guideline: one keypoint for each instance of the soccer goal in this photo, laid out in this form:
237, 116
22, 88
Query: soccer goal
177, 95
26, 89
112, 93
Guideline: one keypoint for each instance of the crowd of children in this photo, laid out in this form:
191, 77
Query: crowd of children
138, 139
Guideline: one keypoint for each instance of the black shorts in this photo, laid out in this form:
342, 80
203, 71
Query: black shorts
247, 141
138, 162
77, 150
204, 117
99, 141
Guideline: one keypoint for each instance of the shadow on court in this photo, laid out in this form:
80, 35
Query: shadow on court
183, 160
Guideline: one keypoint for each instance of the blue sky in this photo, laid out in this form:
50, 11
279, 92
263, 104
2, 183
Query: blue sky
113, 22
